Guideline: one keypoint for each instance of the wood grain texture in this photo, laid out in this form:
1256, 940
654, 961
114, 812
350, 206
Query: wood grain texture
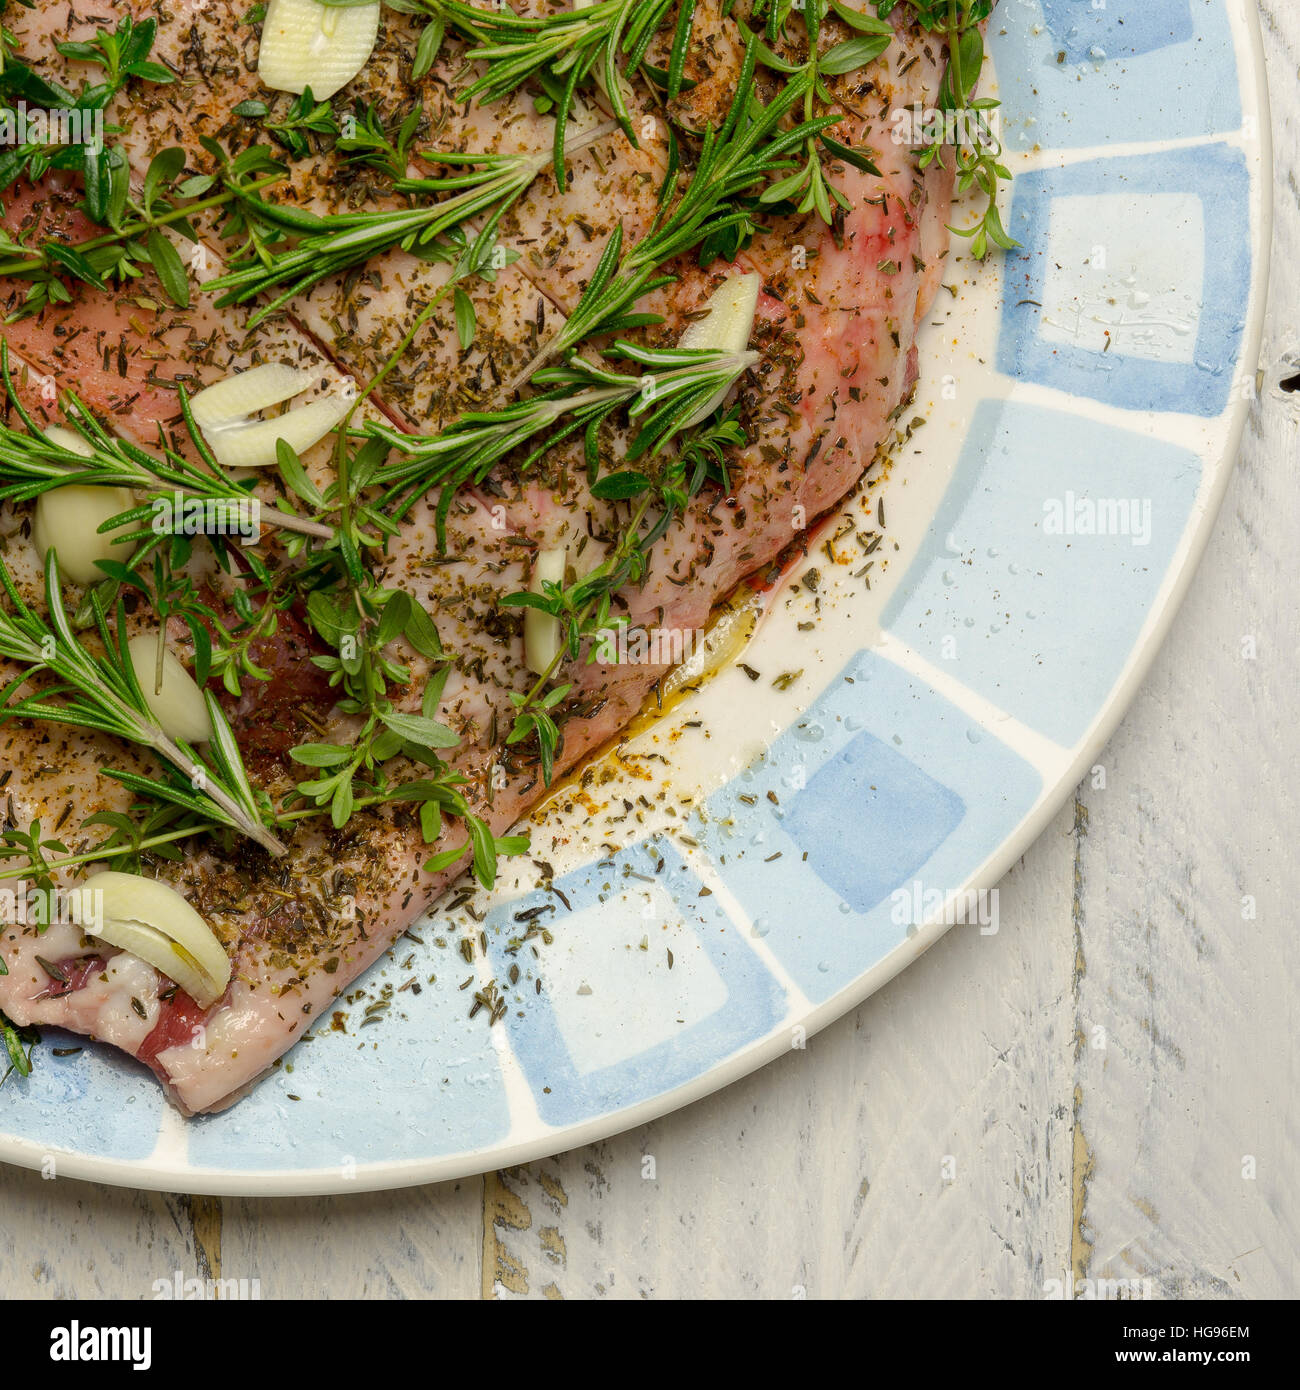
1080, 1095
422, 1243
1189, 875
65, 1239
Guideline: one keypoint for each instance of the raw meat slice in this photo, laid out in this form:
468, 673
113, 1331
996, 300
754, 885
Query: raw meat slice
836, 330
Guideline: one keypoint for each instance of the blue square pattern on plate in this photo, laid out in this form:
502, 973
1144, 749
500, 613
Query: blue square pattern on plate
1134, 281
1043, 561
886, 798
53, 1105
1076, 72
424, 1081
646, 985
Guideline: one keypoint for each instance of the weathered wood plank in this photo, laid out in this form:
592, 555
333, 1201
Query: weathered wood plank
1188, 869
66, 1239
422, 1242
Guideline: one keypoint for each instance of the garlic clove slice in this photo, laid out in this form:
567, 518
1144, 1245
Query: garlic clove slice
226, 413
178, 706
252, 444
730, 320
69, 440
154, 922
68, 519
318, 46
725, 328
542, 630
233, 400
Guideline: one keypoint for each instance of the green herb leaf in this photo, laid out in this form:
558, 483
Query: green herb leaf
320, 754
616, 487
428, 733
466, 319
171, 271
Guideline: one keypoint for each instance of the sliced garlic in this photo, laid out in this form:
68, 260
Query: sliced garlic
154, 922
226, 413
68, 520
318, 46
232, 400
69, 440
725, 328
542, 630
252, 445
178, 705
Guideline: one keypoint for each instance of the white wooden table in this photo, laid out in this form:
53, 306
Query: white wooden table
1104, 1089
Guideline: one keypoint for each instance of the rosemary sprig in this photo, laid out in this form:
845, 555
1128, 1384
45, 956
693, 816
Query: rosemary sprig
102, 693
562, 50
32, 463
326, 245
606, 41
749, 148
17, 1042
582, 395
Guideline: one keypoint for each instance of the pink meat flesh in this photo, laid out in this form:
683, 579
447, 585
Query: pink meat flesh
836, 331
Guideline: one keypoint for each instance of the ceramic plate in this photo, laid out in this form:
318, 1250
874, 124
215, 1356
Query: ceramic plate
793, 832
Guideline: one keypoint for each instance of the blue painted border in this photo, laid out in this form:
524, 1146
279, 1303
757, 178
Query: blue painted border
1218, 176
755, 1002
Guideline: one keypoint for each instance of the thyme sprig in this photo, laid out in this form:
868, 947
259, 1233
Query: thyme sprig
123, 54
158, 834
35, 849
359, 622
102, 693
808, 188
977, 156
139, 239
977, 153
585, 607
294, 127
358, 619
135, 236
365, 138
